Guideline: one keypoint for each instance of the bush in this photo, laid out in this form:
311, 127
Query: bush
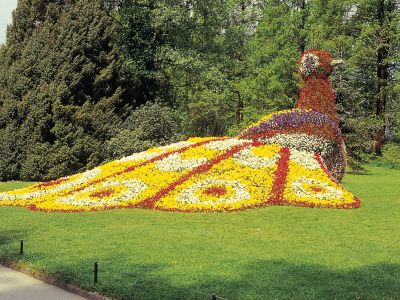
150, 125
358, 133
125, 143
390, 156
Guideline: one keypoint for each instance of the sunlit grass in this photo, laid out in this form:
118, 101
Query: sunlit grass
12, 185
268, 253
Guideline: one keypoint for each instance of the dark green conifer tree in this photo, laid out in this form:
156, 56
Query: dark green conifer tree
64, 89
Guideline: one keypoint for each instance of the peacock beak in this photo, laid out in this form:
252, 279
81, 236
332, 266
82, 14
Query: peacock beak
337, 62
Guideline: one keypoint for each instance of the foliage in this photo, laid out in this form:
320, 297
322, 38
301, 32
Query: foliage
73, 71
358, 136
150, 125
271, 55
64, 89
390, 156
356, 31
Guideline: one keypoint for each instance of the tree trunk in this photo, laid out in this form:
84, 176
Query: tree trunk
382, 74
303, 4
239, 108
239, 103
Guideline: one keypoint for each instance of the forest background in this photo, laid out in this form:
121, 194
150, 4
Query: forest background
83, 82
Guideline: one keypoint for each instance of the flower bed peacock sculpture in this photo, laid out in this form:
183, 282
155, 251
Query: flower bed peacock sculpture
295, 157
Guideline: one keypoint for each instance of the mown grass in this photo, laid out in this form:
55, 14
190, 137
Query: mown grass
268, 253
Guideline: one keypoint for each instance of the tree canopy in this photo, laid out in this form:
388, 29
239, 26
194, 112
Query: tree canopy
75, 74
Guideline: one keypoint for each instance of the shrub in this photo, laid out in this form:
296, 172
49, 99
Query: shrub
357, 133
150, 125
390, 156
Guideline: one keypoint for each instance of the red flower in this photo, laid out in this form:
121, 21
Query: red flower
101, 194
215, 191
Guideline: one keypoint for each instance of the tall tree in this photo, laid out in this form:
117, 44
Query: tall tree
64, 89
271, 54
374, 59
386, 10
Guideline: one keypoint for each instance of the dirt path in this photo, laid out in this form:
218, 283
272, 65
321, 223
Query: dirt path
17, 286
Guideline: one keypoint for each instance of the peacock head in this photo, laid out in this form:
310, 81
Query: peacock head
316, 63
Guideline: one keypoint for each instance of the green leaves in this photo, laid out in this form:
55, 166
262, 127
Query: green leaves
73, 72
64, 90
148, 126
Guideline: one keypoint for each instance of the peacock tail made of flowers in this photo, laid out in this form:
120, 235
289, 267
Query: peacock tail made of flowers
294, 157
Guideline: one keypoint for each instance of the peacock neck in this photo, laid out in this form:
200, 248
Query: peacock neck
316, 94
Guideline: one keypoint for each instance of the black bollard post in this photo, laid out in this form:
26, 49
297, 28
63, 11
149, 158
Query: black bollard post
213, 296
21, 248
95, 271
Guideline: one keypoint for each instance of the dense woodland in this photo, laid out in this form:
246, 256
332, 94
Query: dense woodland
86, 81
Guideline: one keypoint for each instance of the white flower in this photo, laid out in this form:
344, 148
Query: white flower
326, 191
302, 142
158, 151
132, 189
304, 158
175, 146
139, 156
84, 177
225, 144
247, 158
188, 195
6, 197
174, 163
309, 63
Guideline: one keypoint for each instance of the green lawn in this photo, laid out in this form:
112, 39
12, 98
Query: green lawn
268, 253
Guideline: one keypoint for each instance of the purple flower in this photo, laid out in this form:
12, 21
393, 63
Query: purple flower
292, 119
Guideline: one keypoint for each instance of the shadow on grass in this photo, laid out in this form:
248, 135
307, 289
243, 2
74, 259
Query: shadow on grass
258, 280
364, 172
10, 245
10, 236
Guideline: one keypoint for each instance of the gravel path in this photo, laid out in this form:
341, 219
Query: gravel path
17, 286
